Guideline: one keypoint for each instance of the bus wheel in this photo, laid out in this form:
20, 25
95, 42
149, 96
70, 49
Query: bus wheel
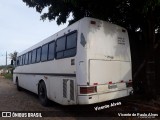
17, 84
42, 93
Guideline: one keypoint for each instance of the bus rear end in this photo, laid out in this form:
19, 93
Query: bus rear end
108, 63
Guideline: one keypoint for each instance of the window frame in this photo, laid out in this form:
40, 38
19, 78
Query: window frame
75, 31
21, 60
47, 52
40, 54
61, 50
29, 62
64, 45
66, 40
26, 55
17, 61
32, 57
23, 57
53, 41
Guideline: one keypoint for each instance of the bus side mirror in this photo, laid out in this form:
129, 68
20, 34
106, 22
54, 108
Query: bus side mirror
11, 62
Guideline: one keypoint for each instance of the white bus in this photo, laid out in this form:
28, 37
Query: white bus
87, 62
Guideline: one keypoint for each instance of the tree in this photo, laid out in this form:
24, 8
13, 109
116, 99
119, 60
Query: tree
61, 9
118, 11
13, 55
132, 14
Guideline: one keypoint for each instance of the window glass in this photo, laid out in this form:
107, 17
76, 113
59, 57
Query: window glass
18, 61
66, 46
26, 59
59, 55
29, 58
51, 50
71, 40
38, 59
70, 52
44, 52
61, 44
21, 60
34, 56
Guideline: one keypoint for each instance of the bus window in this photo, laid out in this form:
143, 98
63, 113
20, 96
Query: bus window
61, 44
34, 56
38, 59
44, 52
71, 45
23, 63
70, 52
18, 61
26, 59
71, 41
59, 55
60, 47
30, 58
21, 60
51, 51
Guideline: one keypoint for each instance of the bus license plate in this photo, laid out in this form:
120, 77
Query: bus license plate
113, 86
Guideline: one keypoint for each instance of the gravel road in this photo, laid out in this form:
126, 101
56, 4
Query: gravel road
15, 101
25, 101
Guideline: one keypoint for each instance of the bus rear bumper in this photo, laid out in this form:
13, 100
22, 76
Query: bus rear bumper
101, 97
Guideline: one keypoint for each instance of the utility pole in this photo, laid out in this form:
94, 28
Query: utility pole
6, 59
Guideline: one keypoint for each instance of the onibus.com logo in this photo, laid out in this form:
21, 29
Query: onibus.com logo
6, 114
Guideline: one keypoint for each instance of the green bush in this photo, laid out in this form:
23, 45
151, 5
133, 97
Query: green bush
8, 76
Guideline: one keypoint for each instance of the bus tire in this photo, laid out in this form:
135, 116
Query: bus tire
42, 94
17, 84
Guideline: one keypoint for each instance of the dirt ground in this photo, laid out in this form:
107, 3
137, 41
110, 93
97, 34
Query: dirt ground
24, 101
13, 100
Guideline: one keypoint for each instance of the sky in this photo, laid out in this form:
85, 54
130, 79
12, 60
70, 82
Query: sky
21, 28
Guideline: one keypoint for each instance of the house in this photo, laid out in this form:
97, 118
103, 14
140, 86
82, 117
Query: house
3, 71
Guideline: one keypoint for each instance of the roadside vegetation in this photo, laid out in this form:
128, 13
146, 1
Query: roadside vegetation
6, 71
7, 76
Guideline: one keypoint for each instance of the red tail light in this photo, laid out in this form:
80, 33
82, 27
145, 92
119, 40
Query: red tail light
87, 90
110, 82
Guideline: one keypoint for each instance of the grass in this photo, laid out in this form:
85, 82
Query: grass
8, 76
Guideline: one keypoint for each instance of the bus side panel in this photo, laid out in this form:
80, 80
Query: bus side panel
14, 78
29, 82
62, 90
